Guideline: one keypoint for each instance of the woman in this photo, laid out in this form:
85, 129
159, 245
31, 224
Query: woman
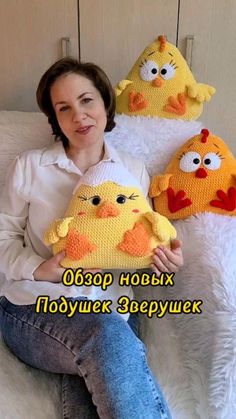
105, 372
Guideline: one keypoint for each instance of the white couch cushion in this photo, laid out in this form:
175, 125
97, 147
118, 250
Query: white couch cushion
25, 392
20, 131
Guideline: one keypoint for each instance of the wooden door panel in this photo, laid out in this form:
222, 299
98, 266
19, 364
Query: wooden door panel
213, 59
30, 40
113, 33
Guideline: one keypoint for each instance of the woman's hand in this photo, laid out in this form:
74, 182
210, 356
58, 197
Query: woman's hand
50, 270
168, 260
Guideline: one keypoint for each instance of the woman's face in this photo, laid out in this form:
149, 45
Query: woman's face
79, 109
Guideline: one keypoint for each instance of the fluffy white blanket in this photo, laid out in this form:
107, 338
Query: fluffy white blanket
193, 356
152, 140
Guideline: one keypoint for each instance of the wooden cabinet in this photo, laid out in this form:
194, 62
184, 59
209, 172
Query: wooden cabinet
30, 40
113, 33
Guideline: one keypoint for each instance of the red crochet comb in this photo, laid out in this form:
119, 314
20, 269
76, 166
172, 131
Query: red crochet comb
205, 134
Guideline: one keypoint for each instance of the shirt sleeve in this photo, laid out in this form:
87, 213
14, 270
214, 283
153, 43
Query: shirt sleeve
17, 261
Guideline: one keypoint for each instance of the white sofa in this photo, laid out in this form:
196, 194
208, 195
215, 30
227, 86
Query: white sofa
192, 356
24, 392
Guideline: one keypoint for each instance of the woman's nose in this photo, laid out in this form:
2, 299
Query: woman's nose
78, 115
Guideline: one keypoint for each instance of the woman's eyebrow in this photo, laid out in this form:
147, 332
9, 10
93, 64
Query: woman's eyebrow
62, 102
85, 93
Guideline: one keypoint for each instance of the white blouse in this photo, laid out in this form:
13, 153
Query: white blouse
38, 188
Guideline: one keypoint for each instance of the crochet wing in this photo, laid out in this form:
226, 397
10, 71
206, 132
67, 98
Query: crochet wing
159, 183
58, 229
200, 92
161, 226
121, 86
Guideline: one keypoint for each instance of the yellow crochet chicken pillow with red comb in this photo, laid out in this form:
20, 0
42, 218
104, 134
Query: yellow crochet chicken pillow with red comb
108, 223
200, 177
161, 84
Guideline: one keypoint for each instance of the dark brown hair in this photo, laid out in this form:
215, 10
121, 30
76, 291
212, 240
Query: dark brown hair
92, 72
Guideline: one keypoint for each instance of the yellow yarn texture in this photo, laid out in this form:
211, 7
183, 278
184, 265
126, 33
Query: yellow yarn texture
161, 84
109, 226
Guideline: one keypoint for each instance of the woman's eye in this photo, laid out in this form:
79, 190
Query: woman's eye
149, 71
190, 161
212, 161
167, 71
63, 109
121, 199
86, 100
95, 200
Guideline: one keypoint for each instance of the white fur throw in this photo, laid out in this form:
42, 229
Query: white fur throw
193, 356
152, 140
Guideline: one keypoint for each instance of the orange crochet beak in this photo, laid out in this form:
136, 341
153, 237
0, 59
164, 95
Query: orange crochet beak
158, 82
107, 209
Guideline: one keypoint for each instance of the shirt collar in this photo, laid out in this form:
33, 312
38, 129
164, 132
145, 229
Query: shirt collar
111, 154
55, 154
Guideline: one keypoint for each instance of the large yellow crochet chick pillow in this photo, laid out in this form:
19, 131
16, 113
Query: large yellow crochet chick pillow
200, 177
161, 84
108, 223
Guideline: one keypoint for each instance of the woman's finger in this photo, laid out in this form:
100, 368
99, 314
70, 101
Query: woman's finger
173, 259
162, 261
155, 270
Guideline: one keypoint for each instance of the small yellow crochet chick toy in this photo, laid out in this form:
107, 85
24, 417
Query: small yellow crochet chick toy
161, 84
109, 223
200, 177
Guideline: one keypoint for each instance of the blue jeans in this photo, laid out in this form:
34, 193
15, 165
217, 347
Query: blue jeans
104, 367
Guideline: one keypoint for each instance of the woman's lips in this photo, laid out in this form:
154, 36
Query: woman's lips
84, 130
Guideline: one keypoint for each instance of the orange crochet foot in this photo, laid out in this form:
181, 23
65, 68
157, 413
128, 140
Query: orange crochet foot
177, 201
136, 242
176, 105
137, 101
78, 245
226, 201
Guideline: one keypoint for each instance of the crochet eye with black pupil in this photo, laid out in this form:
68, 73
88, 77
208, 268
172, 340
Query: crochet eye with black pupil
164, 71
96, 200
207, 161
196, 161
121, 199
154, 71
